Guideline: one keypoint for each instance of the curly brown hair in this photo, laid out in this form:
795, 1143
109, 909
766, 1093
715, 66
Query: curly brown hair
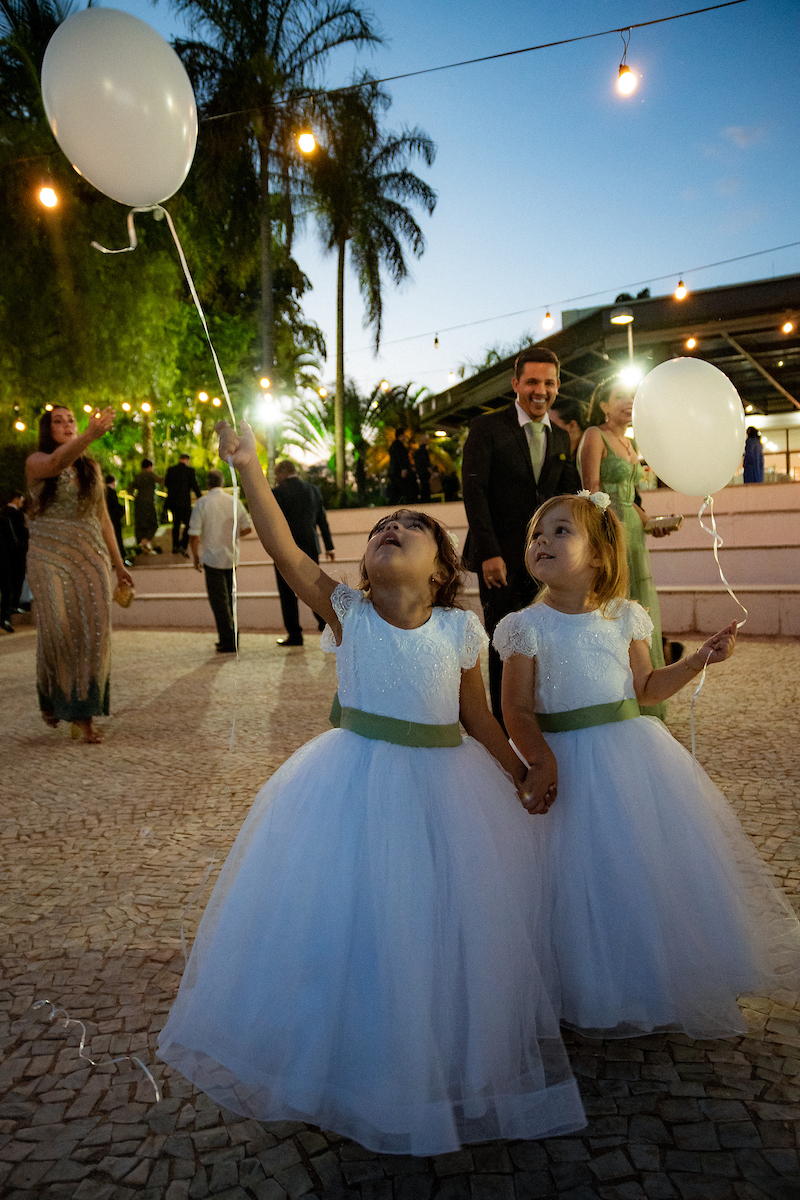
447, 594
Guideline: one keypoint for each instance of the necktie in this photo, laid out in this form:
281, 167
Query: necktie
536, 446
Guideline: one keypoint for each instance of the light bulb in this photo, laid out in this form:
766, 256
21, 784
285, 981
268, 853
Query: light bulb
20, 425
384, 385
691, 343
451, 376
631, 375
216, 402
441, 433
547, 321
49, 407
87, 408
681, 291
787, 327
264, 382
627, 80
323, 392
125, 406
307, 143
48, 197
147, 407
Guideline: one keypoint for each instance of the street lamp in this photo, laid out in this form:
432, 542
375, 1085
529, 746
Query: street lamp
624, 316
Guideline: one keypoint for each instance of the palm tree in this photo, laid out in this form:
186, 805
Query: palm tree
358, 181
260, 54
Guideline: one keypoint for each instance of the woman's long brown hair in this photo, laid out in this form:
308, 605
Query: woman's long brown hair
85, 467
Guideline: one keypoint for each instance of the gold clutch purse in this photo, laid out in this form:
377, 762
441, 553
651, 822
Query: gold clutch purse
123, 594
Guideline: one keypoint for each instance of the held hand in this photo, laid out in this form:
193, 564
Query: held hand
240, 447
540, 785
716, 649
100, 423
494, 572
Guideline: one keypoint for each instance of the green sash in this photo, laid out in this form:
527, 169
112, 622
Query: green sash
389, 729
585, 718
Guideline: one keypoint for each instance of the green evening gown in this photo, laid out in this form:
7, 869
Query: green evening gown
619, 478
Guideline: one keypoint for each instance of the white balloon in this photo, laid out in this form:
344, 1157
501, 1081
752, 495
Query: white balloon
120, 104
689, 425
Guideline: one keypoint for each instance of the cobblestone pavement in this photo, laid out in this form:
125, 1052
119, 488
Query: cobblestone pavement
104, 846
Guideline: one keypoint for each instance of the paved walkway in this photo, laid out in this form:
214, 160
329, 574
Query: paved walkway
103, 846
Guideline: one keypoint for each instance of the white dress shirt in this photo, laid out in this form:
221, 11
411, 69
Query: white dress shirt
212, 522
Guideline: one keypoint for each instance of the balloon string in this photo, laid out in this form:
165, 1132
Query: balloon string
68, 1020
708, 503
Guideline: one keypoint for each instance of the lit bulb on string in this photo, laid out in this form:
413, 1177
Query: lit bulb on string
626, 81
307, 143
47, 196
436, 342
681, 291
547, 321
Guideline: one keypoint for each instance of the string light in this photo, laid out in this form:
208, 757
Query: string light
451, 377
691, 343
547, 321
147, 407
787, 327
323, 392
49, 407
441, 433
681, 291
307, 143
216, 402
203, 397
264, 383
47, 196
87, 408
20, 425
125, 406
384, 385
627, 80
436, 342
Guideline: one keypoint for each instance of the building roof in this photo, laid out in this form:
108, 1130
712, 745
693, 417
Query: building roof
738, 328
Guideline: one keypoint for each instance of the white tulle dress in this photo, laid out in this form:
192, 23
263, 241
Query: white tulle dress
367, 961
661, 910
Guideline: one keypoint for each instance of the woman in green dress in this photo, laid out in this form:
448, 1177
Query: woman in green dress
608, 462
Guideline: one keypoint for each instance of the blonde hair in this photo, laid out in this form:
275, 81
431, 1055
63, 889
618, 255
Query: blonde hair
606, 537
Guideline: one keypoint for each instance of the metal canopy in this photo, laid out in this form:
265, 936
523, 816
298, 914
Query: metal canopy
737, 328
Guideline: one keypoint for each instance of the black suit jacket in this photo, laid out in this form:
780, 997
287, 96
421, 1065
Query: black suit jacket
181, 482
303, 507
500, 490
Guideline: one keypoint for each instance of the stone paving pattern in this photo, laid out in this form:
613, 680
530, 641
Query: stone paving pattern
104, 846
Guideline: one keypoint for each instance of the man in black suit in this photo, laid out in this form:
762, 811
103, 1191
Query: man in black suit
304, 509
514, 460
181, 482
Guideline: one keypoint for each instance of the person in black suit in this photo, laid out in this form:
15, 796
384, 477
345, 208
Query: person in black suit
302, 505
401, 482
422, 466
13, 554
181, 483
116, 511
514, 460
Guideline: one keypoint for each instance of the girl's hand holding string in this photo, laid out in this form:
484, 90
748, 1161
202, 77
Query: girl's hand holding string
240, 448
718, 647
540, 785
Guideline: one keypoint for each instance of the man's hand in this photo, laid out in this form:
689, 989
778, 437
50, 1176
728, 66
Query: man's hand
494, 572
240, 447
330, 555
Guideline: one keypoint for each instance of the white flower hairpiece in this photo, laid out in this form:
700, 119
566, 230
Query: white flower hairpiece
601, 499
453, 538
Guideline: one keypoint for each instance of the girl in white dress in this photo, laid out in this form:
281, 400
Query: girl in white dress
364, 963
661, 910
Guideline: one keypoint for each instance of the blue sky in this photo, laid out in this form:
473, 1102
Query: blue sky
550, 184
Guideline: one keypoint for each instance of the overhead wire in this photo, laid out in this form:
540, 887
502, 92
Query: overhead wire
521, 312
469, 62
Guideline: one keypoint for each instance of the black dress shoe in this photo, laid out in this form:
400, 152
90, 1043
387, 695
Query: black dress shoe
225, 649
9, 628
290, 641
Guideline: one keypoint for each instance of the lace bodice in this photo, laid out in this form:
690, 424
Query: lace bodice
411, 674
581, 658
67, 504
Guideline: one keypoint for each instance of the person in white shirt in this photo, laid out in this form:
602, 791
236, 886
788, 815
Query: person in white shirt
212, 524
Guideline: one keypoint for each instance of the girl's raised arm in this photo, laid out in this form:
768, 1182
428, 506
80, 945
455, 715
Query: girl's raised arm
305, 577
653, 686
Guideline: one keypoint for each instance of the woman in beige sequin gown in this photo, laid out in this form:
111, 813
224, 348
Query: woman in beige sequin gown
72, 548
